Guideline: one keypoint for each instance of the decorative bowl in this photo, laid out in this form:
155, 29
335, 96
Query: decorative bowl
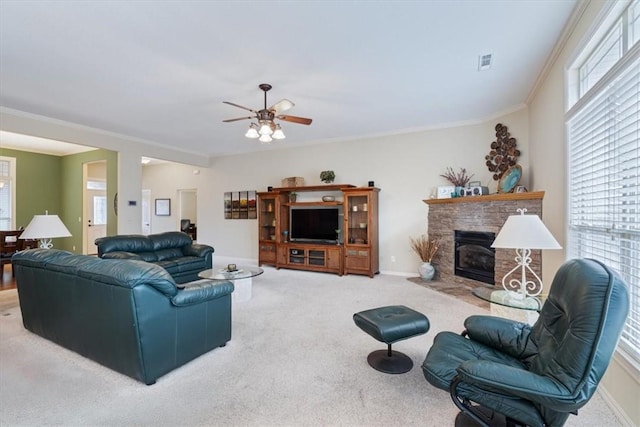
328, 199
363, 225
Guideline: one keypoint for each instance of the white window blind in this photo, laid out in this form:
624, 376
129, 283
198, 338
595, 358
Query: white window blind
604, 185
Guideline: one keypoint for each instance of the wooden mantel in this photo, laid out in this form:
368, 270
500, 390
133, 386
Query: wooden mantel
498, 197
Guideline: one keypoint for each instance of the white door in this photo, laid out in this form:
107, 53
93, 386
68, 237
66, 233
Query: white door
95, 205
146, 212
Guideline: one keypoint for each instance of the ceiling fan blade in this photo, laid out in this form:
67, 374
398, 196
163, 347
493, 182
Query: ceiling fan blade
295, 119
239, 118
281, 106
239, 106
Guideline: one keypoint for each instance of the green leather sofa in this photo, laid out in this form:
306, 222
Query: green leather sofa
127, 315
174, 251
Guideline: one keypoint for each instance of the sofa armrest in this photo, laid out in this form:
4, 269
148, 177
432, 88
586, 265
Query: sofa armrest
197, 249
200, 291
506, 335
122, 255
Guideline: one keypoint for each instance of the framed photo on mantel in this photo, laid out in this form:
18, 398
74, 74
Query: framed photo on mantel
163, 207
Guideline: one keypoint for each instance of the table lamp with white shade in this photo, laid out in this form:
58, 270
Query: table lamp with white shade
44, 228
524, 233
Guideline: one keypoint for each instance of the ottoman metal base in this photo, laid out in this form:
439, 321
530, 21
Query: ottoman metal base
390, 361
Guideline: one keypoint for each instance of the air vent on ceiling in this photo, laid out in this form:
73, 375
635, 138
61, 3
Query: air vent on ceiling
484, 62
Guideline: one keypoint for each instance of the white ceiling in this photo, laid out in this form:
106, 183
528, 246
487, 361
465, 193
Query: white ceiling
159, 70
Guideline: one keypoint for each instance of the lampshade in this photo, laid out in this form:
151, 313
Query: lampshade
525, 231
265, 129
278, 134
252, 132
265, 139
45, 227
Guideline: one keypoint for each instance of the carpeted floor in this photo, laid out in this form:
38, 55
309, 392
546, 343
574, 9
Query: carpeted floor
295, 359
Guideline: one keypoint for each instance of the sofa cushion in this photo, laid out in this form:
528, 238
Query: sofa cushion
169, 253
122, 255
170, 239
39, 257
129, 274
128, 243
72, 264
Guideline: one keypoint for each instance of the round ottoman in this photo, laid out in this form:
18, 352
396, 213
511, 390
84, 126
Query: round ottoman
390, 324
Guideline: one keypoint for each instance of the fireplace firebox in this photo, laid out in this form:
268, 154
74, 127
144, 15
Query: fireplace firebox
474, 256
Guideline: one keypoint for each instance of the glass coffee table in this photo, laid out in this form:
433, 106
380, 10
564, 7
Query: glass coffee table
241, 279
506, 304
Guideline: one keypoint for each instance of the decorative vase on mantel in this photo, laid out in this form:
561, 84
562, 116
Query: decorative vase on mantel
426, 271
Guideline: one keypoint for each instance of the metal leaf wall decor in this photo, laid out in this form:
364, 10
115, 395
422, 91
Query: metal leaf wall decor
503, 154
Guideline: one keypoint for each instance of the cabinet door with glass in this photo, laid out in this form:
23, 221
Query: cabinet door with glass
267, 227
361, 231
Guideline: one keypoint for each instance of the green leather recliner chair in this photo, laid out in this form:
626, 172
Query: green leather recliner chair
535, 375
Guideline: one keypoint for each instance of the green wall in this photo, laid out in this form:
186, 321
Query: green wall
37, 184
71, 182
54, 183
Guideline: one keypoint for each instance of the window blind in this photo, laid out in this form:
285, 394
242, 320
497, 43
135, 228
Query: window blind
604, 186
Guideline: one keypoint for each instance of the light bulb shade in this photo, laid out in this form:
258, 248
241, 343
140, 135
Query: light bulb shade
45, 227
252, 133
525, 231
265, 129
265, 139
278, 134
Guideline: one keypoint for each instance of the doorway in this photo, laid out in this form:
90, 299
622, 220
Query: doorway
188, 209
94, 205
146, 212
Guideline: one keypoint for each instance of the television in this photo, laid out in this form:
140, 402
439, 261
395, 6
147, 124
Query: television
315, 224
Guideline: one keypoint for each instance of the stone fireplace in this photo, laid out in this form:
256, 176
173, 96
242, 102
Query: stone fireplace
478, 215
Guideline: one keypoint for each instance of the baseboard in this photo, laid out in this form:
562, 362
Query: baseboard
617, 409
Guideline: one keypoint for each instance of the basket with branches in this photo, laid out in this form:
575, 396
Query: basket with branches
459, 179
425, 247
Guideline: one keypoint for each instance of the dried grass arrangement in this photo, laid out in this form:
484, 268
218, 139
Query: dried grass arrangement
425, 248
460, 179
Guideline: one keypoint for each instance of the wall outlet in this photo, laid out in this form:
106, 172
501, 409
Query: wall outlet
74, 248
393, 259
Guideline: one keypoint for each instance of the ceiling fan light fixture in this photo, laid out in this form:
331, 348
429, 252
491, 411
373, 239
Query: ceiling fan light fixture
252, 132
265, 139
265, 129
278, 134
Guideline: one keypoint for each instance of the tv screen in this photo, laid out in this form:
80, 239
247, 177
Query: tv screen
314, 224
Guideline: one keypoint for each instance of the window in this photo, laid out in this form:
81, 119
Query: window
603, 131
99, 210
7, 193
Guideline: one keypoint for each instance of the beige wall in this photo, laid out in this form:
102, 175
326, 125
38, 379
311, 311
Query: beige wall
548, 171
406, 167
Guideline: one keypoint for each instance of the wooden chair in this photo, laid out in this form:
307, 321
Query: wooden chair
9, 245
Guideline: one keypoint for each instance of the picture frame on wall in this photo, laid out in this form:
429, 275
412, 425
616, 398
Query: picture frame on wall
163, 207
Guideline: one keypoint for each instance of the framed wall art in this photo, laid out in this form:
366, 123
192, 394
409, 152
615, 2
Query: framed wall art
163, 207
240, 205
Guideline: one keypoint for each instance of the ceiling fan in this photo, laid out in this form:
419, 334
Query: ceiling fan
267, 129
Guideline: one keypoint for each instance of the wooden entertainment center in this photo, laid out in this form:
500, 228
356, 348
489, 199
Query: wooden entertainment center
354, 250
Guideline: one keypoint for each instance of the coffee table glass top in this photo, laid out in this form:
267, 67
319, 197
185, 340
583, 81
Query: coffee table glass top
508, 299
222, 273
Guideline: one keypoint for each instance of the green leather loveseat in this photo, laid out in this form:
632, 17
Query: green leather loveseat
124, 314
174, 251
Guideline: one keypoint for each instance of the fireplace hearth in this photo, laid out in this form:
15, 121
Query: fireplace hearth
474, 256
